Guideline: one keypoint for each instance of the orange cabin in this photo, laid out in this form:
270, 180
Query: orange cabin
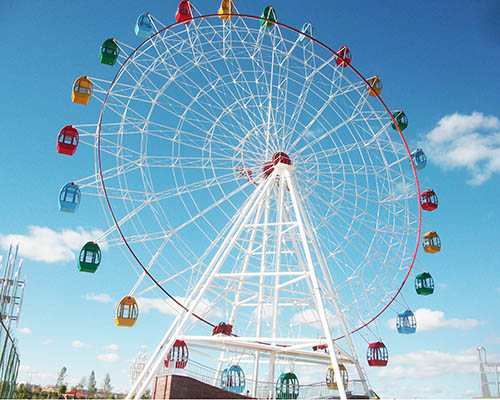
226, 9
432, 242
82, 91
374, 86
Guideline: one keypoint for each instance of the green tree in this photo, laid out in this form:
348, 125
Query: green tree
61, 377
106, 387
91, 387
61, 389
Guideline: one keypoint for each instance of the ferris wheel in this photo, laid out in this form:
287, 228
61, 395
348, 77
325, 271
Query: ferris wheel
253, 176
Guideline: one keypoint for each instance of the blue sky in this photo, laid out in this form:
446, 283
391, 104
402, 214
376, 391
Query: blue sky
439, 61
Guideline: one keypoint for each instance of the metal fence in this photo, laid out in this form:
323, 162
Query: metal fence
264, 390
9, 363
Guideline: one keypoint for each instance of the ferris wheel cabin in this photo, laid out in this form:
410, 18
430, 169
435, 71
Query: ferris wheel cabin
287, 386
374, 86
331, 379
432, 242
270, 15
226, 10
178, 355
90, 257
144, 26
424, 284
377, 355
401, 120
69, 197
127, 312
67, 140
344, 57
429, 200
109, 52
184, 12
406, 323
233, 379
307, 28
82, 91
419, 158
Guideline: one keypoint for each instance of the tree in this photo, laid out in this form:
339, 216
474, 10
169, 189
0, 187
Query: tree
91, 387
106, 387
62, 377
61, 389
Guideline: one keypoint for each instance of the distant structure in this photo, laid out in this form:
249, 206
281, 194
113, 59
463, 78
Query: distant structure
138, 364
11, 300
486, 370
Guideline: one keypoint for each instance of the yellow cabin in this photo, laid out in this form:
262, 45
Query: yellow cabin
226, 7
331, 379
432, 242
127, 312
82, 91
375, 86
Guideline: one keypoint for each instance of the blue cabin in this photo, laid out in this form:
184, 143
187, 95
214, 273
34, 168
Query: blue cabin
233, 379
308, 30
406, 323
69, 197
144, 26
419, 158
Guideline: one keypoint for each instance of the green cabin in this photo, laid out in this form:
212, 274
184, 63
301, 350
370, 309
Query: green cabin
109, 52
401, 120
424, 284
270, 15
287, 386
90, 257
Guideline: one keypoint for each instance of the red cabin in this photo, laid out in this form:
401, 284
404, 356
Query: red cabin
222, 328
67, 140
377, 355
178, 355
429, 200
321, 347
281, 157
184, 12
344, 58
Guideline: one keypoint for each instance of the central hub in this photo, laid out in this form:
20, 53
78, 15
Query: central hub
279, 157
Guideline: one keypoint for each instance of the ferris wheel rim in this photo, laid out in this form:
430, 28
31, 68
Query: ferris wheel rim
326, 47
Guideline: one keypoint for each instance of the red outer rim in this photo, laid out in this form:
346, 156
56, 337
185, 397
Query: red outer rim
348, 66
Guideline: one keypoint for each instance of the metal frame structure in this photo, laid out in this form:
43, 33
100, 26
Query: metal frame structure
488, 368
11, 300
278, 185
184, 161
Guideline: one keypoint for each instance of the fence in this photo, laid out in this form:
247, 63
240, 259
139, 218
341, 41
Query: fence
207, 375
9, 363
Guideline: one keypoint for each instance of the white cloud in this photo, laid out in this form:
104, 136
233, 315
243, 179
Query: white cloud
466, 141
36, 376
46, 245
108, 357
428, 320
48, 341
79, 344
111, 347
101, 298
431, 363
168, 306
26, 331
